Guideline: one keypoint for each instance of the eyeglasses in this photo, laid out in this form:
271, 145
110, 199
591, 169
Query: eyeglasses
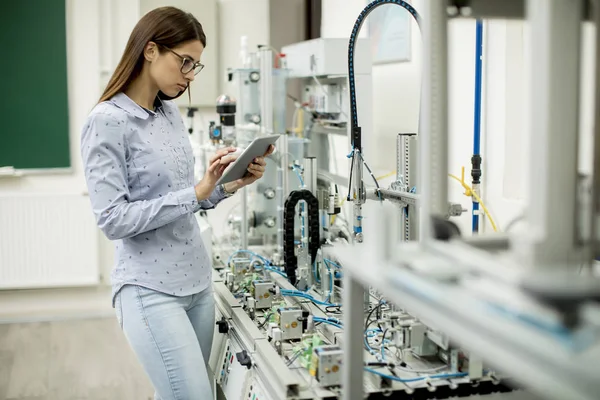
188, 65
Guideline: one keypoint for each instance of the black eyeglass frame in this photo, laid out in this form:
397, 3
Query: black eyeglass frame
183, 61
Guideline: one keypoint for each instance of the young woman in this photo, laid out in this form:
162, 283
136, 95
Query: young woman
139, 171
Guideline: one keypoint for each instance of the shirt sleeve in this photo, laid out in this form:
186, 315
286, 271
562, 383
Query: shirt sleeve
103, 150
215, 198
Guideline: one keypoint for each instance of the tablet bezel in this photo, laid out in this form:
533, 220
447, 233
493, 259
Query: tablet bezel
239, 167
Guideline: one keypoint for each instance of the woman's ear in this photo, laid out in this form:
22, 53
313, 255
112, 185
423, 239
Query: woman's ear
150, 51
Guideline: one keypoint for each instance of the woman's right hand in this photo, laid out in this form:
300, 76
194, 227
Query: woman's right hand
217, 165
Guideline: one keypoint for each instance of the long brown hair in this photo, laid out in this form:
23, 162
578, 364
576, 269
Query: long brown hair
165, 26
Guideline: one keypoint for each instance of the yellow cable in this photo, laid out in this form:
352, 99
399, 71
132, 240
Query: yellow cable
300, 127
386, 175
332, 221
470, 193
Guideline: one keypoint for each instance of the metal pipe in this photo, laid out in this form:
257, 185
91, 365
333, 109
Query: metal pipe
284, 150
244, 222
280, 200
434, 137
476, 159
596, 171
359, 195
310, 174
266, 90
352, 335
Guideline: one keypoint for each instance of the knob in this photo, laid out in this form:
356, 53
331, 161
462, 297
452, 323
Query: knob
255, 119
244, 359
223, 325
269, 193
254, 76
270, 222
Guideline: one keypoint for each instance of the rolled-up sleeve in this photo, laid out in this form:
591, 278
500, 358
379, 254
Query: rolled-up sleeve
103, 150
215, 198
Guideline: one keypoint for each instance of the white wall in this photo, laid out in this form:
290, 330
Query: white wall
504, 148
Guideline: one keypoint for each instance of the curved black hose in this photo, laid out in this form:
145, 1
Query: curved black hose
351, 47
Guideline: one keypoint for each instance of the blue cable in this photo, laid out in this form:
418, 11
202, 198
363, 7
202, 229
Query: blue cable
477, 113
268, 264
329, 321
328, 261
297, 171
419, 378
375, 330
268, 268
294, 293
252, 253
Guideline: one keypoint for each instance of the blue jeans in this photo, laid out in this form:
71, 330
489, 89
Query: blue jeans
171, 337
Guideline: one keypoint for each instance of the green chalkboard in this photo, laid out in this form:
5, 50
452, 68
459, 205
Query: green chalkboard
34, 128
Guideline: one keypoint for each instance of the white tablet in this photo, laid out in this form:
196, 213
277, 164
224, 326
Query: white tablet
239, 168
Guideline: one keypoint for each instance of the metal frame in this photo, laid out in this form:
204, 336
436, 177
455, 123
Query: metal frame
519, 351
430, 278
555, 34
504, 9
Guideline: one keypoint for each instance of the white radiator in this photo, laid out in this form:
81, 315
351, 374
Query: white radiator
47, 241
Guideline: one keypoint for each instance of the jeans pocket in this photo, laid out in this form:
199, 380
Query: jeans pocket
119, 309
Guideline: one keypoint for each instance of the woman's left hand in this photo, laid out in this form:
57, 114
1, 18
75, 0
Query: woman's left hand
255, 171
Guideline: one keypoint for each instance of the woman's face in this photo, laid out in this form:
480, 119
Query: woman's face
166, 67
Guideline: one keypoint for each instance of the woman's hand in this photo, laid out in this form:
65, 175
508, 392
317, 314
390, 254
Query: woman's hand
217, 165
256, 170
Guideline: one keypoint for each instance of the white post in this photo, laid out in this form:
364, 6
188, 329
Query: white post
552, 240
266, 90
433, 140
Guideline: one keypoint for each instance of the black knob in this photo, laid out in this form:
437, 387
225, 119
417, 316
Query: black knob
244, 359
223, 325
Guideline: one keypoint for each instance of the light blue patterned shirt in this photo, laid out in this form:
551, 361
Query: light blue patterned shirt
139, 170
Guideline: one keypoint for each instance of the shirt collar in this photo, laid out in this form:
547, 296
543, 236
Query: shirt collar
125, 103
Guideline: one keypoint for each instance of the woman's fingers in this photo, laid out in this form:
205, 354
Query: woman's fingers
270, 150
228, 159
260, 161
256, 167
255, 172
220, 153
213, 166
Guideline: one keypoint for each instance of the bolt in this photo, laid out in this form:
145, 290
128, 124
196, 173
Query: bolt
466, 11
452, 11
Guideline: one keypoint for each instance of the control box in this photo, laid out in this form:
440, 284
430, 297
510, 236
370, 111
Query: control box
326, 365
290, 322
240, 267
326, 56
420, 344
261, 290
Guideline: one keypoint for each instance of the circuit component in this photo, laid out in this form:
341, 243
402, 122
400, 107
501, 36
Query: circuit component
326, 365
239, 268
261, 290
290, 322
420, 344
